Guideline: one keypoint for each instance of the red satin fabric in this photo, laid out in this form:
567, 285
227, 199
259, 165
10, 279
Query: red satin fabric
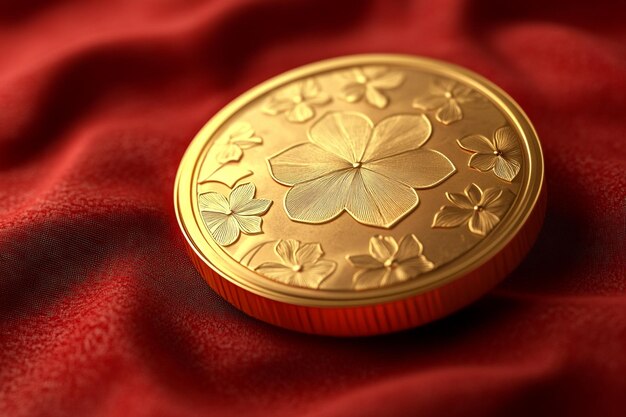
102, 313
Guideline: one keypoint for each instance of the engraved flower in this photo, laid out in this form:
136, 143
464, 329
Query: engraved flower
368, 171
300, 264
446, 96
230, 146
297, 101
370, 82
226, 218
501, 155
480, 210
389, 262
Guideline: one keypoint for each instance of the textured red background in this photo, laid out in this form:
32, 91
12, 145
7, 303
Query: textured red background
101, 312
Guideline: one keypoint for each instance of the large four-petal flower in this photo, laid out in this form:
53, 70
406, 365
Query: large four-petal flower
301, 264
502, 155
226, 218
481, 210
368, 171
389, 262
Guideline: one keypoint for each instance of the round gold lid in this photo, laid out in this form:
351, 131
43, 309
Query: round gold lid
361, 194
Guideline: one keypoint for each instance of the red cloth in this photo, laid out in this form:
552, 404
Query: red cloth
101, 312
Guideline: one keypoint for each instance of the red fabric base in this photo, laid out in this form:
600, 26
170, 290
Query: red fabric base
103, 314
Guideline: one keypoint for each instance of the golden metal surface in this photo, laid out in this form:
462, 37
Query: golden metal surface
359, 180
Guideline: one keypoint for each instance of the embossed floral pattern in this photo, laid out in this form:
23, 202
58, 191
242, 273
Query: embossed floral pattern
227, 218
297, 101
300, 265
481, 210
389, 262
368, 171
446, 97
502, 155
229, 147
370, 82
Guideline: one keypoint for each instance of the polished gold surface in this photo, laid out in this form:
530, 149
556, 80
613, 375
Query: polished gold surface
359, 180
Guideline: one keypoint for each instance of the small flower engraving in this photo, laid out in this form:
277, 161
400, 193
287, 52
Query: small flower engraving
501, 155
446, 97
227, 218
370, 82
300, 265
350, 164
482, 211
229, 147
297, 101
389, 262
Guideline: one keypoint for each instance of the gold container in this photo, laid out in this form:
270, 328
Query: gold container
361, 195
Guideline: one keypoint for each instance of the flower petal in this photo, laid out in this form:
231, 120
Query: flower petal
376, 200
286, 249
313, 274
388, 80
370, 278
241, 195
225, 232
474, 193
309, 253
409, 247
319, 200
290, 92
248, 142
249, 224
344, 134
276, 106
240, 130
490, 196
310, 88
449, 113
429, 101
213, 219
442, 85
375, 97
466, 95
215, 202
301, 112
497, 201
364, 261
353, 92
482, 222
254, 207
373, 72
477, 143
506, 139
398, 134
228, 153
276, 271
383, 248
421, 168
506, 169
482, 161
304, 162
450, 216
460, 200
413, 267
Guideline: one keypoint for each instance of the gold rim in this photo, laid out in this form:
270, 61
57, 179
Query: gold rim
185, 201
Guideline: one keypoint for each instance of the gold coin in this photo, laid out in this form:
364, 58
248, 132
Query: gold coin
361, 195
